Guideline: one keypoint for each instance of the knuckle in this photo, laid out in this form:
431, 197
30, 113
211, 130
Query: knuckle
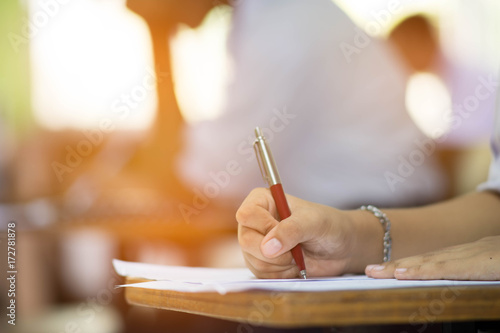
395, 264
243, 214
440, 264
245, 239
428, 257
416, 269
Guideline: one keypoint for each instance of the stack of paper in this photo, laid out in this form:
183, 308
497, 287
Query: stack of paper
200, 279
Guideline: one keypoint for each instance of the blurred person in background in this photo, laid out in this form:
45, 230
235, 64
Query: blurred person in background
329, 98
464, 110
416, 38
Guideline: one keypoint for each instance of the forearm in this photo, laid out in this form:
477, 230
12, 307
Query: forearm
457, 221
418, 230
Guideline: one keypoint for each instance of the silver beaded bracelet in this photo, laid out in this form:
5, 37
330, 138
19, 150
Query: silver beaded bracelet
386, 223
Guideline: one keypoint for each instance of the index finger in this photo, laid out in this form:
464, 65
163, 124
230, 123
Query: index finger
258, 211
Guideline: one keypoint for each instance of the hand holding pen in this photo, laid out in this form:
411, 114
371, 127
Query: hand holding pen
325, 234
271, 176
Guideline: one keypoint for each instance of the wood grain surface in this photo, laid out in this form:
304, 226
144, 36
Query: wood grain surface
356, 307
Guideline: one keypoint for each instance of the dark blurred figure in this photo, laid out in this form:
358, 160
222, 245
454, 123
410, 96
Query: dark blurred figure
157, 157
418, 42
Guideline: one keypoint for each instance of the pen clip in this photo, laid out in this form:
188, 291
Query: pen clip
265, 159
258, 154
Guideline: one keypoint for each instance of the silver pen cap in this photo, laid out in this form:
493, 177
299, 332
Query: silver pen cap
265, 158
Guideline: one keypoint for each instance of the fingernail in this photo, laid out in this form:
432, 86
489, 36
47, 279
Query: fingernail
400, 270
375, 268
271, 247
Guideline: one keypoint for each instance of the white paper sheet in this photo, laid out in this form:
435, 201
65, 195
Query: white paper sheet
199, 279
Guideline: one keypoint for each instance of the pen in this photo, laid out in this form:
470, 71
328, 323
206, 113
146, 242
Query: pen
270, 174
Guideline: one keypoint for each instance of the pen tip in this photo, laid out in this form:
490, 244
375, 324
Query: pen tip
303, 274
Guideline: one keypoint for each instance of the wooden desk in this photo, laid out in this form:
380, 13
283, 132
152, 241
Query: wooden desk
413, 306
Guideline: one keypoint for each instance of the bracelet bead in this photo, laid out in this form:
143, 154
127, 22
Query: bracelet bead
386, 223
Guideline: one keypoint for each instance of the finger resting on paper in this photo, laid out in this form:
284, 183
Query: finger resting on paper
388, 270
449, 269
268, 266
265, 270
425, 267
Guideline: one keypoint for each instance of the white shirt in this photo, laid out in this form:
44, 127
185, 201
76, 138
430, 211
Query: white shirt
330, 100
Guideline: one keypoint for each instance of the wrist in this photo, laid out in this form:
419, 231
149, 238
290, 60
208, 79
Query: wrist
367, 247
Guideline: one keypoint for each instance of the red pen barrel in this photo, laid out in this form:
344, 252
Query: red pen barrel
284, 211
299, 257
281, 204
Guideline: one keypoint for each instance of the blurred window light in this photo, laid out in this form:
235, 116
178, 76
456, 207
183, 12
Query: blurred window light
429, 103
469, 33
91, 62
200, 65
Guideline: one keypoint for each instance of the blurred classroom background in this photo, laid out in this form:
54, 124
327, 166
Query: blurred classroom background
90, 123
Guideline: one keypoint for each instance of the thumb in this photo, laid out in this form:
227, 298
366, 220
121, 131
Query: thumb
282, 238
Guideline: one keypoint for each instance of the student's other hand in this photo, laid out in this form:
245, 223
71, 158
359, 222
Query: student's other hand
324, 232
479, 260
